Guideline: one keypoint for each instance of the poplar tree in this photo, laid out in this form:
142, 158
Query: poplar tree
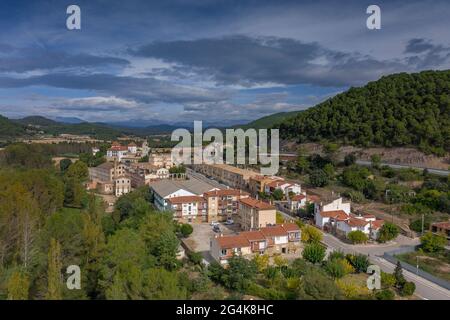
54, 283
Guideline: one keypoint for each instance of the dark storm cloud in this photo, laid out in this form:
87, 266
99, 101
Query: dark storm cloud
423, 53
245, 60
28, 59
140, 89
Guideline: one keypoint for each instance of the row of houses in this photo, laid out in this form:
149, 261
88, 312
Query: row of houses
335, 216
196, 200
248, 180
273, 239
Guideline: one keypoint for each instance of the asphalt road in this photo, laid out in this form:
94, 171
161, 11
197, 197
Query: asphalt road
401, 166
425, 289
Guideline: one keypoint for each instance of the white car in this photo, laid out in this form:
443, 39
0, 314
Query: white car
214, 223
229, 221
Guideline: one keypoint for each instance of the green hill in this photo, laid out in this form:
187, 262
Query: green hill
269, 121
397, 110
10, 129
36, 121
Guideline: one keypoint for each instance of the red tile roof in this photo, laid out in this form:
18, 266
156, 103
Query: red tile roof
313, 198
225, 192
274, 231
377, 224
355, 222
234, 241
442, 225
290, 227
298, 197
335, 214
251, 202
185, 199
253, 235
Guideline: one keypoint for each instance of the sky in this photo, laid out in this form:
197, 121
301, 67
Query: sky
218, 61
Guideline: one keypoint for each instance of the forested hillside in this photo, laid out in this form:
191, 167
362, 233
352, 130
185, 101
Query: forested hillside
397, 110
9, 129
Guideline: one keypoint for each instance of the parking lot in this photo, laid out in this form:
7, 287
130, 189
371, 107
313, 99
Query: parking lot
203, 232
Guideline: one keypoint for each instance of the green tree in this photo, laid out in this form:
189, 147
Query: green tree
398, 274
359, 261
186, 230
78, 170
387, 232
408, 289
318, 178
433, 242
64, 164
54, 277
357, 236
313, 252
349, 159
278, 195
316, 286
376, 161
18, 286
311, 234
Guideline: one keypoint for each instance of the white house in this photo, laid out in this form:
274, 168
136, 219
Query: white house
334, 210
132, 148
297, 202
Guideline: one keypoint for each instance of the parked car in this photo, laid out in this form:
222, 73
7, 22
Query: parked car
216, 228
214, 223
229, 221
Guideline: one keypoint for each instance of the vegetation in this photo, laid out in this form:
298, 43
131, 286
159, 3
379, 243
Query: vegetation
387, 232
397, 110
433, 242
357, 237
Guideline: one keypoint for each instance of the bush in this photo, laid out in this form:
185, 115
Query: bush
313, 252
433, 242
387, 280
318, 178
388, 231
355, 196
337, 268
186, 229
195, 257
359, 261
357, 236
385, 294
311, 234
408, 289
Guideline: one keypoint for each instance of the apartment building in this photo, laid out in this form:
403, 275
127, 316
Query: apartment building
268, 240
161, 160
223, 204
233, 177
116, 152
165, 189
110, 178
254, 214
189, 208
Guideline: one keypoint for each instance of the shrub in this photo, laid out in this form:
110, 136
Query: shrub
387, 280
195, 257
310, 234
357, 236
359, 261
433, 242
313, 252
318, 178
408, 289
385, 294
388, 231
186, 229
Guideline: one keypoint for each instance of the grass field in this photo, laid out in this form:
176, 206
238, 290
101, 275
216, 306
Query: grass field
438, 264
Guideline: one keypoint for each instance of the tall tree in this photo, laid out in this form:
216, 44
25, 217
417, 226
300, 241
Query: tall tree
54, 278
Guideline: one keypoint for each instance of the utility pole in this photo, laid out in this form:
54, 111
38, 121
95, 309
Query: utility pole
423, 222
417, 265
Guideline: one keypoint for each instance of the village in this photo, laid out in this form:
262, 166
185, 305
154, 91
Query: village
232, 210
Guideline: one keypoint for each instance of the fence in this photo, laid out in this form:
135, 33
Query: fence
390, 256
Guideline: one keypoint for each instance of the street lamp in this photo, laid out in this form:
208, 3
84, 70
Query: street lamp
417, 265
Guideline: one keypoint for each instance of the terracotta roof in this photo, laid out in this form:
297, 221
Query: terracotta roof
132, 144
355, 222
276, 183
251, 202
253, 235
258, 178
186, 199
336, 214
377, 224
313, 198
118, 148
225, 192
234, 241
290, 227
273, 231
368, 216
442, 225
298, 197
